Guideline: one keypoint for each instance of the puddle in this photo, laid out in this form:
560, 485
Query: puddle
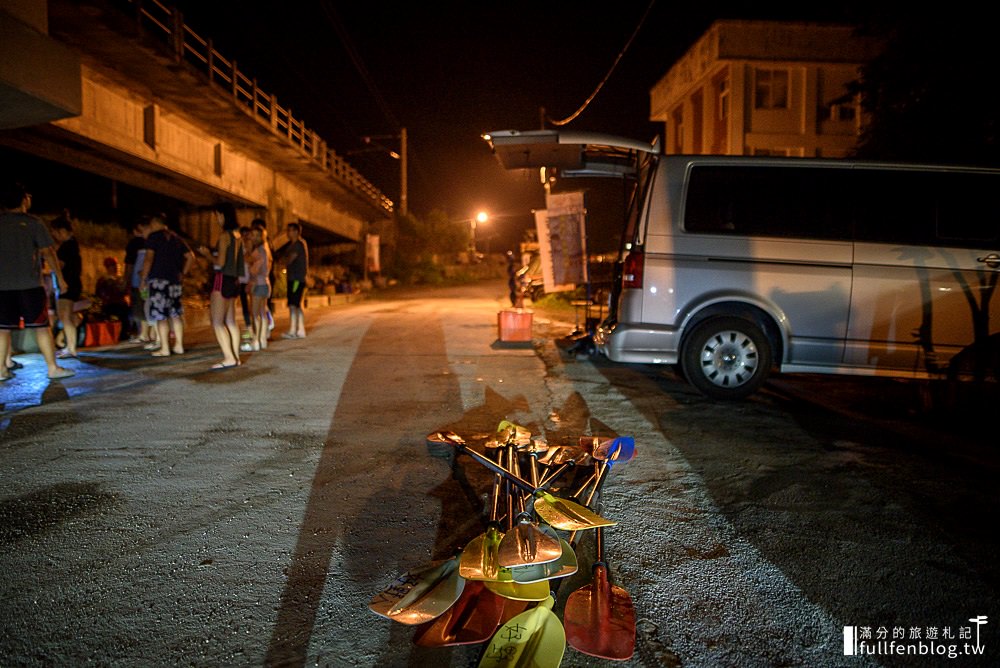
34, 513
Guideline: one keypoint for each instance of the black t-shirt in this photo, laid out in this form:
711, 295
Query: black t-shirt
168, 255
72, 266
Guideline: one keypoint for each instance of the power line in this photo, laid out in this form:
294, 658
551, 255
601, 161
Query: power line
621, 54
359, 65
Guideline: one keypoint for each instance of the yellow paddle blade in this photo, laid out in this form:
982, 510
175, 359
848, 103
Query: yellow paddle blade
534, 638
527, 544
532, 591
479, 558
567, 515
420, 594
562, 567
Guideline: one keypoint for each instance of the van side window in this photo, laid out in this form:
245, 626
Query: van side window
769, 201
894, 207
925, 208
969, 210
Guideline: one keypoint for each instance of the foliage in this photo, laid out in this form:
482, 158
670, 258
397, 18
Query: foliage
421, 245
929, 95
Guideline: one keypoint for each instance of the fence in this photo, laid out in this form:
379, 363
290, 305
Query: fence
154, 17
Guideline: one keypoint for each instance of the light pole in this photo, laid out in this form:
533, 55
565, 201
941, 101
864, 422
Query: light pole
479, 219
404, 206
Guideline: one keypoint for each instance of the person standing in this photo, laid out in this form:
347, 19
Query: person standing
228, 263
166, 261
140, 330
71, 265
260, 286
23, 238
295, 258
261, 224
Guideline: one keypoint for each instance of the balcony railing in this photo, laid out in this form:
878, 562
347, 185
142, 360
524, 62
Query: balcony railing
167, 23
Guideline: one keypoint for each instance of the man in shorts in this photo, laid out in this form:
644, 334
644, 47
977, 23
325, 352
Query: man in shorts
295, 257
165, 263
24, 242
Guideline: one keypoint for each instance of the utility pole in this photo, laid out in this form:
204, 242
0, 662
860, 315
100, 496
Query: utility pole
403, 205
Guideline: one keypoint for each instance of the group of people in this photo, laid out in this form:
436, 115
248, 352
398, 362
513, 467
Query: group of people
243, 268
156, 261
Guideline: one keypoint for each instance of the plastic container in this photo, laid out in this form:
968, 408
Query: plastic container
514, 324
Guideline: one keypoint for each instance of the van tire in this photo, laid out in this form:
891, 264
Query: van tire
726, 357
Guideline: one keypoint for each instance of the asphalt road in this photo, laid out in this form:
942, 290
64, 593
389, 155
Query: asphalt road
154, 512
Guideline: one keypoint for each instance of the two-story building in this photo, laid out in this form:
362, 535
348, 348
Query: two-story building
765, 88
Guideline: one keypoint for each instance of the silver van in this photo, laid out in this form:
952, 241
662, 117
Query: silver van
732, 267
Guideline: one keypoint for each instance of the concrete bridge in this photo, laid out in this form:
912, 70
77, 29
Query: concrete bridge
126, 90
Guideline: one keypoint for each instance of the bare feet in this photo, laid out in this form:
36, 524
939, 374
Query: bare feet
161, 353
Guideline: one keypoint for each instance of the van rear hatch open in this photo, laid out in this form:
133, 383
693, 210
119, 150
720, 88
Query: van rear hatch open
571, 153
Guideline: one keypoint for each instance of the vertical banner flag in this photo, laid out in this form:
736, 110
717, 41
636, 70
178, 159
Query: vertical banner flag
372, 263
562, 241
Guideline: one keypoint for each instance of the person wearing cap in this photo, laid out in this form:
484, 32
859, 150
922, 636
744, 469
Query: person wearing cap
112, 296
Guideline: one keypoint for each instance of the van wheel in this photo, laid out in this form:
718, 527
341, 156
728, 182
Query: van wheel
726, 358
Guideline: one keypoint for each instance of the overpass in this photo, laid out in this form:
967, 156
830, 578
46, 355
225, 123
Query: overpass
126, 90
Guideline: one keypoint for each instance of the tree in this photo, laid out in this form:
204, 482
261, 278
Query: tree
930, 96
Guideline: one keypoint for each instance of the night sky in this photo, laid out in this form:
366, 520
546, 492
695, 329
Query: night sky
449, 72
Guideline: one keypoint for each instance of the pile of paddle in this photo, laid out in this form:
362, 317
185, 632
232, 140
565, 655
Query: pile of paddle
501, 588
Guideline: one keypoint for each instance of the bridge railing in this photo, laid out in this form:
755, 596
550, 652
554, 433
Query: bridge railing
189, 47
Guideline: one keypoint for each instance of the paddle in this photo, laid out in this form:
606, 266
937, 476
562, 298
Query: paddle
525, 543
564, 566
472, 619
420, 594
479, 558
533, 638
600, 617
558, 513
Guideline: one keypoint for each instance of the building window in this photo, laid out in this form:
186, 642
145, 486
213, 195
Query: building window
770, 89
723, 92
678, 131
843, 112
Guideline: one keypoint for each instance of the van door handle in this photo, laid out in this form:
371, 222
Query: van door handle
992, 260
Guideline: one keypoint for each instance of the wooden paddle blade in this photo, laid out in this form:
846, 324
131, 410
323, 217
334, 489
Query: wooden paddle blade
567, 515
479, 558
600, 619
533, 638
527, 544
534, 591
562, 567
472, 619
420, 594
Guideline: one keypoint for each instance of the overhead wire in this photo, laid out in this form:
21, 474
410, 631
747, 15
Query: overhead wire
359, 64
621, 54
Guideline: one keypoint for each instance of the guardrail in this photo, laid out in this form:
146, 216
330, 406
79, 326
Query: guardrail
223, 74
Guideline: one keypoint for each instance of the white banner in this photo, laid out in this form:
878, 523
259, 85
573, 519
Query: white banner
372, 262
562, 241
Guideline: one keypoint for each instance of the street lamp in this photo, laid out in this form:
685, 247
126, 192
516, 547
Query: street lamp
479, 219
